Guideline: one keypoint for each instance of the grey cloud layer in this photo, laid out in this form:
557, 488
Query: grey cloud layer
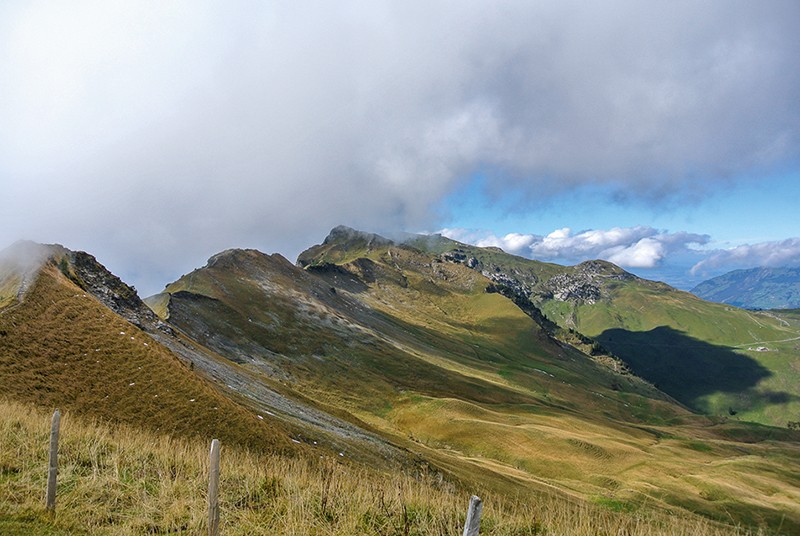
157, 133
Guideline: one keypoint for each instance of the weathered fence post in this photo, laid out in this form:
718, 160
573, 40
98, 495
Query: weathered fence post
473, 524
52, 471
213, 489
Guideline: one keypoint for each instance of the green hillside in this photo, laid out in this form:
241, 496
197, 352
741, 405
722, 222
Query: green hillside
384, 357
715, 358
421, 351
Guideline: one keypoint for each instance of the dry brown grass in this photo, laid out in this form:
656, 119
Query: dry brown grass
122, 481
61, 348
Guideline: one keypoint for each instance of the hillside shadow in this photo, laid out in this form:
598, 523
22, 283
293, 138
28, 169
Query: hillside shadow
689, 369
337, 277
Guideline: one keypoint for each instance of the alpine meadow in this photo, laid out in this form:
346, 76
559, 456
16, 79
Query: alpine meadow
412, 373
399, 268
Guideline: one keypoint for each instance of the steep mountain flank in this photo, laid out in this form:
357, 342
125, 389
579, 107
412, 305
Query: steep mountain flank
442, 360
758, 288
109, 333
714, 358
60, 346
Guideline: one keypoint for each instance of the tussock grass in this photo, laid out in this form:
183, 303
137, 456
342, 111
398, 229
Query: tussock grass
60, 347
123, 481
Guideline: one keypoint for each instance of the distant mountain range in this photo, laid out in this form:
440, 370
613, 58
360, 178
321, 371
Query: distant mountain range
757, 288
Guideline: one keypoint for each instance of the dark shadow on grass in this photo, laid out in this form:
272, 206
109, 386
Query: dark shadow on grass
687, 368
338, 277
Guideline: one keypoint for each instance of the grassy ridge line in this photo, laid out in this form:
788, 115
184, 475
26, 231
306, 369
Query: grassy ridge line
123, 481
60, 347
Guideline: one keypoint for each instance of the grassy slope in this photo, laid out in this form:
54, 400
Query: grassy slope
61, 348
419, 350
9, 286
697, 351
700, 352
123, 481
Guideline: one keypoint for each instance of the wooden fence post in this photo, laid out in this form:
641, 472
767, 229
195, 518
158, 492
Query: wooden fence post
473, 524
52, 471
213, 489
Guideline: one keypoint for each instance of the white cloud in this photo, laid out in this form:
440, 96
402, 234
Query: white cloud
770, 254
515, 243
157, 133
630, 247
562, 243
646, 253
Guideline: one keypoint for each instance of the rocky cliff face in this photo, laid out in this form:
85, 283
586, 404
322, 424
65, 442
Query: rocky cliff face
520, 283
586, 283
84, 270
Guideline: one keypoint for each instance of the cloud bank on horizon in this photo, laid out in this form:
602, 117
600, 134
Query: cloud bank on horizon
157, 133
632, 247
639, 247
769, 254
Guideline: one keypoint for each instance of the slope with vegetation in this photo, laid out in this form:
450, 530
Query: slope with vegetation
123, 481
429, 354
397, 363
715, 358
61, 347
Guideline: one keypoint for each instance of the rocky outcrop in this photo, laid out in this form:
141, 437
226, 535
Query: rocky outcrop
520, 284
585, 283
582, 284
84, 270
568, 287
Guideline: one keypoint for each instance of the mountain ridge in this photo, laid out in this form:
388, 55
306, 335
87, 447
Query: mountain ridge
629, 317
63, 345
403, 360
755, 288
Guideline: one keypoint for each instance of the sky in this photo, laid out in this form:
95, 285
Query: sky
663, 136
